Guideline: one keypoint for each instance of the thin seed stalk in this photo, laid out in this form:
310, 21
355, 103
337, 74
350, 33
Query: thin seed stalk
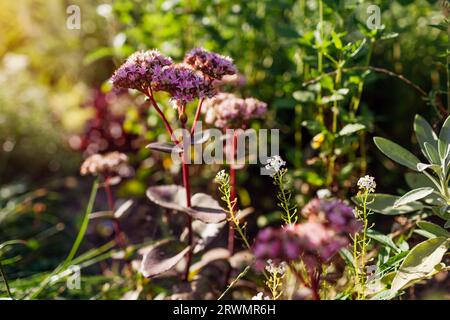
5, 281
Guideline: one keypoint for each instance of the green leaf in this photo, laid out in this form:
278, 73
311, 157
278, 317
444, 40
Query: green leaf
397, 153
383, 239
420, 262
348, 258
384, 204
444, 139
416, 180
351, 128
434, 229
447, 224
425, 134
413, 195
432, 153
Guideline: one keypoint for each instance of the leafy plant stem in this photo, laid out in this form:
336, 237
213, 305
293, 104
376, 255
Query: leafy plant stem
284, 196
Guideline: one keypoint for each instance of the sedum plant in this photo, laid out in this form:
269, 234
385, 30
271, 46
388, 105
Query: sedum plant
429, 196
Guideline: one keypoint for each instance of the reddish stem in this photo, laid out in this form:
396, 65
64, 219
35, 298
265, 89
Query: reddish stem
163, 117
120, 239
197, 116
187, 186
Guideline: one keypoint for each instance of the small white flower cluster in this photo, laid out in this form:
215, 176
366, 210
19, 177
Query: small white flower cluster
276, 269
274, 164
221, 177
367, 183
260, 296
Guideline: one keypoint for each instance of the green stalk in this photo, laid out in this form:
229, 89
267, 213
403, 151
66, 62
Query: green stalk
84, 225
363, 248
5, 280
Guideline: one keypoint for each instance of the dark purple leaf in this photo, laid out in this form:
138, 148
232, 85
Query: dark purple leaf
161, 258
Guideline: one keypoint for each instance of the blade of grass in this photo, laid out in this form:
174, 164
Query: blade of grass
76, 245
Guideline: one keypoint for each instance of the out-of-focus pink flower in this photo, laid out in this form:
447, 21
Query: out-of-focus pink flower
315, 241
140, 70
334, 213
226, 110
211, 64
112, 163
183, 83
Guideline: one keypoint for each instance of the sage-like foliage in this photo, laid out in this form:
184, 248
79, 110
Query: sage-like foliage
430, 195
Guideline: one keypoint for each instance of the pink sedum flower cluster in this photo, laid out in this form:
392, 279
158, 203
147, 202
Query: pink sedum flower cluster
209, 63
315, 241
226, 110
183, 84
140, 70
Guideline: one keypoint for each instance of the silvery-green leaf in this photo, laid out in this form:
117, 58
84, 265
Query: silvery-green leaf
434, 229
351, 128
423, 166
412, 196
383, 239
425, 134
397, 153
348, 257
432, 153
384, 204
447, 224
416, 180
444, 139
420, 262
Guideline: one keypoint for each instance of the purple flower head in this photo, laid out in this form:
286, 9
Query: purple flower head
140, 70
319, 241
228, 111
183, 83
315, 241
211, 64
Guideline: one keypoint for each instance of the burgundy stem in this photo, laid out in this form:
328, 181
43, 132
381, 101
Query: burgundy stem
187, 186
163, 117
197, 115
